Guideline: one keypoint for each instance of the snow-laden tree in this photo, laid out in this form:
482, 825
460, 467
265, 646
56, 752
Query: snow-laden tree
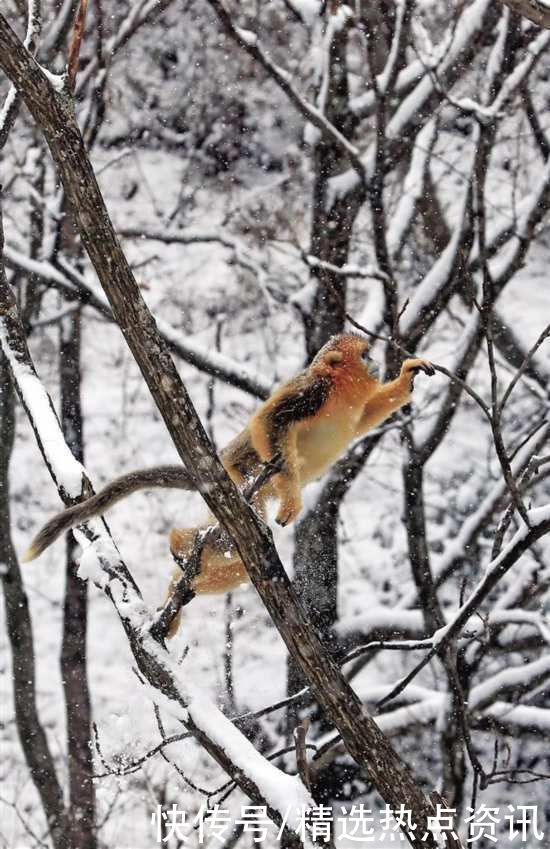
279, 172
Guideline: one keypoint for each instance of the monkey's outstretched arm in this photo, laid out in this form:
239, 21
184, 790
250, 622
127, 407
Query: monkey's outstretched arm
392, 396
274, 430
169, 477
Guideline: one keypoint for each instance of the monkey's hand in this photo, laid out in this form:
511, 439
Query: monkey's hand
412, 367
289, 509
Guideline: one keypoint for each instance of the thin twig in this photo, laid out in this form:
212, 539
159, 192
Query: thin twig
300, 733
250, 43
494, 572
76, 43
521, 370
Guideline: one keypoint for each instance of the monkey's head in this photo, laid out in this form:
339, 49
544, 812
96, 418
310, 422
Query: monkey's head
348, 353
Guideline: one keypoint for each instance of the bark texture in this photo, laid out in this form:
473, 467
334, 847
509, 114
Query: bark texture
361, 735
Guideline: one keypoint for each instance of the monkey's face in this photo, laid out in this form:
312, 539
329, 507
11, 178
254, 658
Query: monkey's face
348, 355
371, 364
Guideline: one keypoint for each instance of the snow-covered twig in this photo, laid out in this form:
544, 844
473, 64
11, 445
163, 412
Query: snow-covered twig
413, 189
9, 110
177, 238
435, 290
75, 286
512, 682
451, 64
478, 520
367, 272
385, 82
514, 720
263, 782
486, 113
311, 113
538, 526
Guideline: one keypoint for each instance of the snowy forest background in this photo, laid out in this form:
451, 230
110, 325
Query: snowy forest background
278, 172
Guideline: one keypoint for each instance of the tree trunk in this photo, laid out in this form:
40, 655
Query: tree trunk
331, 224
316, 538
31, 733
75, 616
361, 735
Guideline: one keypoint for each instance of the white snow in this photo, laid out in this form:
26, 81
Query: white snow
438, 276
67, 470
57, 81
247, 35
413, 189
309, 10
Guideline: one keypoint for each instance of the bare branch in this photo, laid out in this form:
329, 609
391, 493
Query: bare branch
249, 42
8, 113
534, 10
75, 287
76, 41
539, 526
393, 779
525, 364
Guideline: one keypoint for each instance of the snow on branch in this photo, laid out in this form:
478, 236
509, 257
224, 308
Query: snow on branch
9, 110
75, 286
364, 741
487, 113
363, 105
511, 257
413, 189
379, 623
448, 66
516, 720
450, 60
457, 548
367, 272
68, 474
262, 781
336, 20
168, 238
435, 290
501, 232
307, 10
512, 682
386, 80
140, 13
311, 113
538, 525
66, 471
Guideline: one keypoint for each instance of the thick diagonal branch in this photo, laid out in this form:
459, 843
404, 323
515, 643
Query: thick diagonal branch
361, 735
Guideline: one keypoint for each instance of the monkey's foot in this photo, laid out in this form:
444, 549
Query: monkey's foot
289, 511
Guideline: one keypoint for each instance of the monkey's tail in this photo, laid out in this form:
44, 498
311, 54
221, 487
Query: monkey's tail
169, 477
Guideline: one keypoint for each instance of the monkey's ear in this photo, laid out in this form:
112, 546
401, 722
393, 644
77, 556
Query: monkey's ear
333, 357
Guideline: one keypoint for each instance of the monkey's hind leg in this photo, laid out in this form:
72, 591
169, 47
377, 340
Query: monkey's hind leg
221, 569
182, 545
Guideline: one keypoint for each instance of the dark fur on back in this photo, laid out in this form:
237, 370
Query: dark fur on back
304, 400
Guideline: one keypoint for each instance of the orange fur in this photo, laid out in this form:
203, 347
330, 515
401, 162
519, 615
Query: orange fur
309, 421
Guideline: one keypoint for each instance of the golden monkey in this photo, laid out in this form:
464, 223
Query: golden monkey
308, 421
